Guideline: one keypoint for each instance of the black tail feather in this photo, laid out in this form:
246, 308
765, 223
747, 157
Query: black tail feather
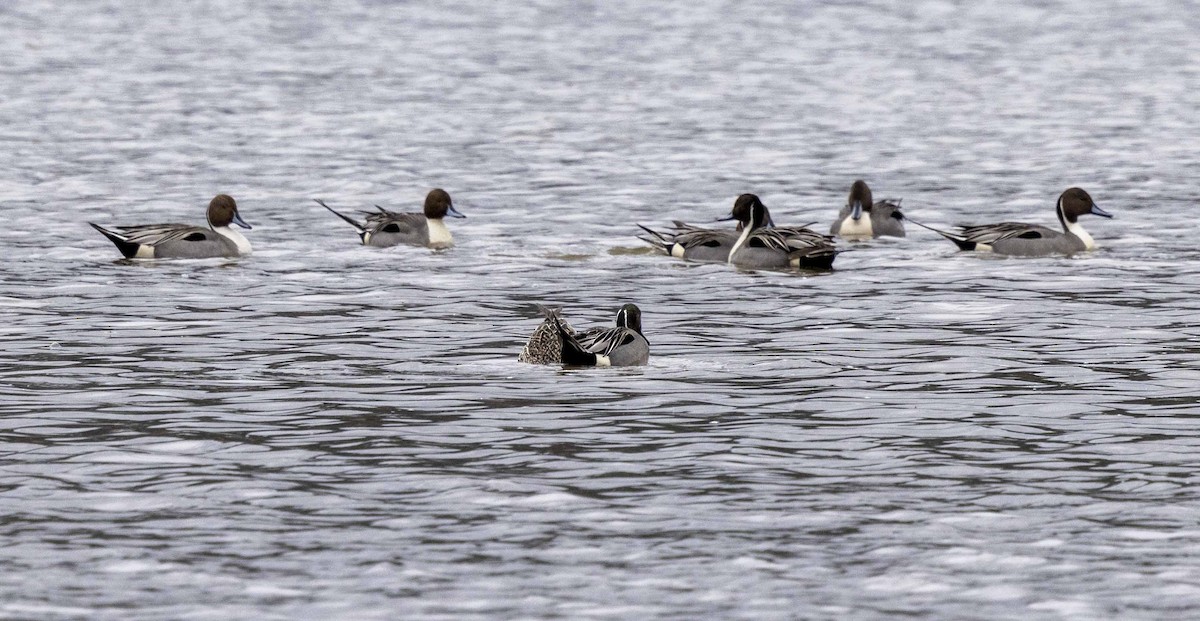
127, 248
572, 353
959, 240
358, 227
660, 240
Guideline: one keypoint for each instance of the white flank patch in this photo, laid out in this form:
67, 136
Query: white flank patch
603, 361
243, 244
439, 235
677, 251
366, 238
982, 248
1076, 229
860, 229
144, 252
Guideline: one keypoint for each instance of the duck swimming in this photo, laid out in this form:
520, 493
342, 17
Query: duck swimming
388, 228
882, 218
1020, 239
762, 246
555, 342
695, 243
184, 241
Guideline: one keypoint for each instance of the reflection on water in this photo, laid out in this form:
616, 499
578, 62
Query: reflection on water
322, 430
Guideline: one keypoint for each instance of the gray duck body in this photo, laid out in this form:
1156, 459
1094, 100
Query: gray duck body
1033, 240
384, 228
184, 241
693, 243
766, 247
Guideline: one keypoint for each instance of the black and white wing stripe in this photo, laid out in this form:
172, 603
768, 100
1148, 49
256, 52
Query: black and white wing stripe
155, 234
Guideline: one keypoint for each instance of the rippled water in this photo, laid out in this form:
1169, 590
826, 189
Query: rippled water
323, 430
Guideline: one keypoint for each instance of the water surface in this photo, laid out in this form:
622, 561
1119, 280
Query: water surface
322, 430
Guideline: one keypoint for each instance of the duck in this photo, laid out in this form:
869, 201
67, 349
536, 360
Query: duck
385, 228
883, 218
696, 243
1020, 239
762, 246
184, 241
556, 342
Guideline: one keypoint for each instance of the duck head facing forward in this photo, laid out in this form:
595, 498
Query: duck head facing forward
630, 316
222, 211
859, 200
438, 205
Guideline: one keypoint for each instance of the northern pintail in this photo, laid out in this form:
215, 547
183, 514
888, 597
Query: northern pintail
695, 243
555, 342
388, 228
883, 218
762, 246
184, 241
1019, 239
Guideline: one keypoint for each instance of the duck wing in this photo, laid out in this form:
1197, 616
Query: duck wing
689, 236
992, 233
155, 234
790, 239
385, 221
603, 341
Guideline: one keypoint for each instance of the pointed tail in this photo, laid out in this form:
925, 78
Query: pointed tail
659, 240
959, 240
354, 223
127, 248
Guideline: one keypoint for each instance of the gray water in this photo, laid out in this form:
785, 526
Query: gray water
326, 431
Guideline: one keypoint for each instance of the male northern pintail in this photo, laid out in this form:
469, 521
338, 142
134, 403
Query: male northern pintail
388, 228
555, 342
1015, 238
695, 243
883, 218
762, 246
184, 241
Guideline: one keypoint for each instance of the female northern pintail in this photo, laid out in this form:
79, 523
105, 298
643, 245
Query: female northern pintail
883, 218
388, 228
762, 246
184, 241
555, 342
1018, 239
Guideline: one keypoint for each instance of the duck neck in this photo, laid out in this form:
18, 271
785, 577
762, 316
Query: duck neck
759, 216
439, 235
1075, 228
243, 244
746, 231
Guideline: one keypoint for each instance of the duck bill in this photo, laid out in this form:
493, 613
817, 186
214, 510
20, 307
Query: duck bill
454, 213
237, 219
726, 218
856, 210
770, 221
1096, 211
